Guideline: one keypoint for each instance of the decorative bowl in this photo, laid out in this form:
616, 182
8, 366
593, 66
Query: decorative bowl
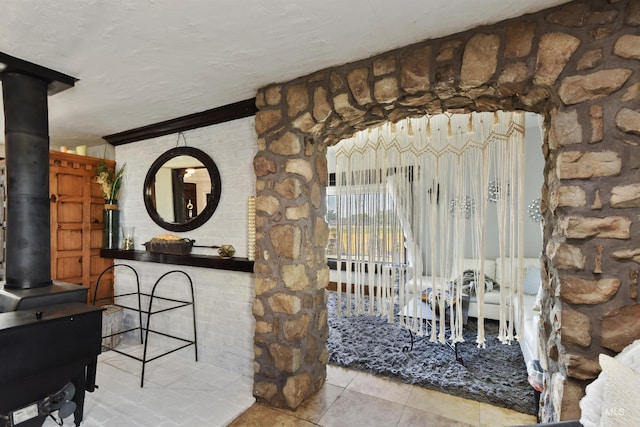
226, 251
170, 247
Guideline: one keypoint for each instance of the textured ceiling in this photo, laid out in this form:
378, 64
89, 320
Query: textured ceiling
140, 62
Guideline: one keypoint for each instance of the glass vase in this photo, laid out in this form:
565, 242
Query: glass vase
110, 225
127, 239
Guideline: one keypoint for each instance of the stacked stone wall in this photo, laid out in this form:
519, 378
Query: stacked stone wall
577, 65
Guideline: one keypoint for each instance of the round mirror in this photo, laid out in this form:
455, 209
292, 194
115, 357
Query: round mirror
182, 189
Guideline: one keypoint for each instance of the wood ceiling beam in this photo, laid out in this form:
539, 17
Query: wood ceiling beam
225, 113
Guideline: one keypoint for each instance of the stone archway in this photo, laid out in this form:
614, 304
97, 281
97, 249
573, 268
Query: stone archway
577, 66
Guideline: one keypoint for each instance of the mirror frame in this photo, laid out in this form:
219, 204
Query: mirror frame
212, 201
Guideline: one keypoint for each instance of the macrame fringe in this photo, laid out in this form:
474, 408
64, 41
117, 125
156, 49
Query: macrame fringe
415, 194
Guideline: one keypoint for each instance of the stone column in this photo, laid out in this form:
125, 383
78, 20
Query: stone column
291, 272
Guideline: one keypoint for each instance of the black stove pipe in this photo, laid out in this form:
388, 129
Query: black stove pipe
28, 251
36, 313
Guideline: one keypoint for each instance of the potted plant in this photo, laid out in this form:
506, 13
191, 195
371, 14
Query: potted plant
110, 181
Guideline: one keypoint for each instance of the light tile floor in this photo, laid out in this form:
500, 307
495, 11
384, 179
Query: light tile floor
180, 392
353, 399
177, 392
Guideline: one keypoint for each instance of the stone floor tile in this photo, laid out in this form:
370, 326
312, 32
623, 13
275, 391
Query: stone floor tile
412, 417
357, 409
216, 412
383, 388
493, 416
453, 407
259, 415
315, 407
339, 376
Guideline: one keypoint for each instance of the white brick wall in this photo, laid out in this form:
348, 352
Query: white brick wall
223, 298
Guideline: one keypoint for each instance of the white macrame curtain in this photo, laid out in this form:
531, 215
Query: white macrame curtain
416, 193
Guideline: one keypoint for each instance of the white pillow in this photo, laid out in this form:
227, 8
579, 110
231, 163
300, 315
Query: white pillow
591, 403
532, 282
621, 394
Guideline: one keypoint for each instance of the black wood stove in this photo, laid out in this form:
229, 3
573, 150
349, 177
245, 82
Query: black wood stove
49, 337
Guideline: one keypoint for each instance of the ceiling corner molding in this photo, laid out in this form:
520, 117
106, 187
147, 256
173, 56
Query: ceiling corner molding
225, 113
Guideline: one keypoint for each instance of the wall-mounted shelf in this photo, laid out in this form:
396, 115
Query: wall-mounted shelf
204, 261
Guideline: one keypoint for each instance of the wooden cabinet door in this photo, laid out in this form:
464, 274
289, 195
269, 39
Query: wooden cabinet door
76, 223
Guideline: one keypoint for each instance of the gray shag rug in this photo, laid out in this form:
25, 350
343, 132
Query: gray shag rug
495, 374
